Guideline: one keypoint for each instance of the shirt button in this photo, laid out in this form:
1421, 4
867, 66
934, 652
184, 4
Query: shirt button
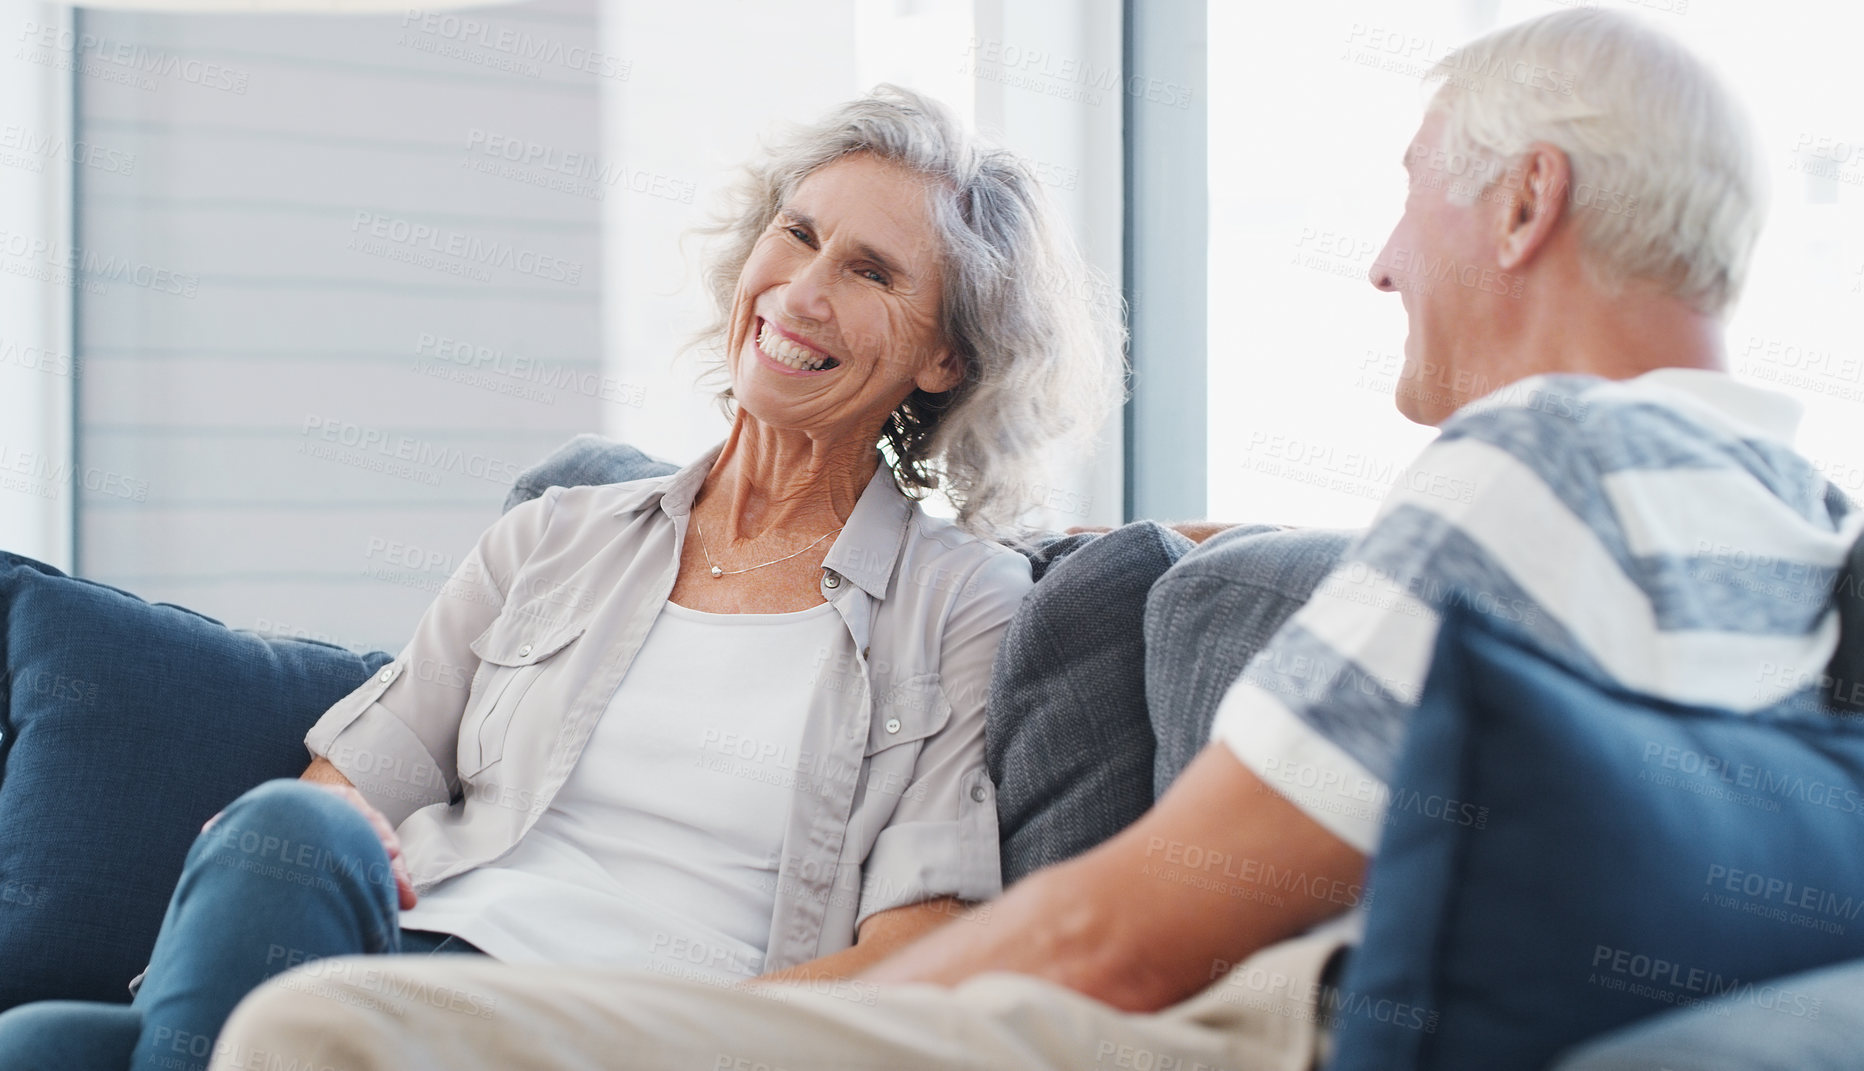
387, 674
832, 580
893, 725
978, 793
525, 650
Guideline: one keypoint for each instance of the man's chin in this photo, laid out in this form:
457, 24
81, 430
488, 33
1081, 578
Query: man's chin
1414, 405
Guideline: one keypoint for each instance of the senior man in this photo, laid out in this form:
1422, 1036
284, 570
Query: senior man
1570, 242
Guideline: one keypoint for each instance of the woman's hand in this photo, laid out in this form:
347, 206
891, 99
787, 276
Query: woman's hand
324, 774
404, 882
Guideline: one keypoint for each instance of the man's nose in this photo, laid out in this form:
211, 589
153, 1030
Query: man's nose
1381, 272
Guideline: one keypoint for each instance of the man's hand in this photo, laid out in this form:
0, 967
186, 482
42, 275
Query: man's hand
1161, 910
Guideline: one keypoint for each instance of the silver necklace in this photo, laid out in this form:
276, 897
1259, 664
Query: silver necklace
719, 574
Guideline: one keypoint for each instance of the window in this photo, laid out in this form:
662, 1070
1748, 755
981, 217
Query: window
1307, 122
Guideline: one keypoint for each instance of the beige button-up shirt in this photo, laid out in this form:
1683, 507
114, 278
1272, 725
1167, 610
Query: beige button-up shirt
464, 739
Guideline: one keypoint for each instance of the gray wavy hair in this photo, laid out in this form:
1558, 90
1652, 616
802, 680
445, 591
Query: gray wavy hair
1041, 334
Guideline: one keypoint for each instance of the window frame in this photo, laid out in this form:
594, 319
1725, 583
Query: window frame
1167, 236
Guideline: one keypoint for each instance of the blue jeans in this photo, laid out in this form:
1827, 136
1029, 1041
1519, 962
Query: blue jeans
289, 874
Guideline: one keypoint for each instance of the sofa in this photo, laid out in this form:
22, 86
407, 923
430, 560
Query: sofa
125, 724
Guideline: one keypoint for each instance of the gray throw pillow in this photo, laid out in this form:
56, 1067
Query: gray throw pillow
1067, 738
1211, 614
583, 461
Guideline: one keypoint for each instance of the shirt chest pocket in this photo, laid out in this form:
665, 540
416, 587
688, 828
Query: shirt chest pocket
513, 654
904, 717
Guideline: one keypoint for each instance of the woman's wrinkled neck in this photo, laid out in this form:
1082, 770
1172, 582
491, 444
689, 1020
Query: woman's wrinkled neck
778, 480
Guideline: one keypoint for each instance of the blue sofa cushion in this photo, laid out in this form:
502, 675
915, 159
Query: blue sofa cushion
1562, 857
124, 725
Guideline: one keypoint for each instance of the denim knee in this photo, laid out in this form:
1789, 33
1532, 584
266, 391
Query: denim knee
291, 830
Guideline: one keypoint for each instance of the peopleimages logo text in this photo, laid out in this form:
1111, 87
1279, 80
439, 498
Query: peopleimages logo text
442, 241
416, 452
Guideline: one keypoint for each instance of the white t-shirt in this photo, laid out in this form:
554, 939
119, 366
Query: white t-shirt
661, 848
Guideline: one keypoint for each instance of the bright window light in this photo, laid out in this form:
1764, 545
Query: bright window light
1311, 106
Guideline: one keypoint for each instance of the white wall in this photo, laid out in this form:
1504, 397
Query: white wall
37, 474
348, 319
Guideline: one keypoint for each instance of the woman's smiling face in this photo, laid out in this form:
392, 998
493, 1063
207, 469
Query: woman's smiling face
836, 318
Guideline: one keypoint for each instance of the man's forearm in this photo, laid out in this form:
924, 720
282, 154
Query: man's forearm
1155, 914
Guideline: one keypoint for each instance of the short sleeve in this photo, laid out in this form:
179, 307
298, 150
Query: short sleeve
1320, 713
942, 839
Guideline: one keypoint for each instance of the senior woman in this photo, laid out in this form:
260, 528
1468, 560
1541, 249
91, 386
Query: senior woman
726, 723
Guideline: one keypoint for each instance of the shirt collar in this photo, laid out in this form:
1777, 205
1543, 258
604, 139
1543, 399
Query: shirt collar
1773, 415
682, 485
865, 552
869, 547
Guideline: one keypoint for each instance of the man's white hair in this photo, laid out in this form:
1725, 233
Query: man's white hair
1667, 183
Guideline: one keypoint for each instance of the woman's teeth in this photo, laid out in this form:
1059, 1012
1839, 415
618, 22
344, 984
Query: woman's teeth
785, 352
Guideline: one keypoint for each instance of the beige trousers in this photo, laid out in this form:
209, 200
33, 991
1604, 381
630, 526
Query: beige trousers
460, 1013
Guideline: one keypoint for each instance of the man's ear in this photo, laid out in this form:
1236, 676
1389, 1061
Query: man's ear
940, 374
1535, 205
